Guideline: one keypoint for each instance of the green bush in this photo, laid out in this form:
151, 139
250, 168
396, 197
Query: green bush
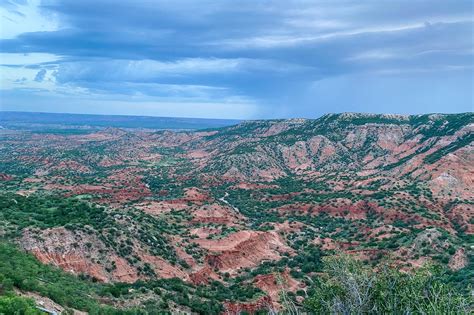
16, 305
349, 287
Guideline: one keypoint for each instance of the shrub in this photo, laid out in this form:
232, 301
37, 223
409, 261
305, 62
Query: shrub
11, 304
349, 287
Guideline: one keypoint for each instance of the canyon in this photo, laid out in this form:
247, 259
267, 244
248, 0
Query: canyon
252, 206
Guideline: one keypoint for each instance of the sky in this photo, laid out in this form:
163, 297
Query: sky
243, 59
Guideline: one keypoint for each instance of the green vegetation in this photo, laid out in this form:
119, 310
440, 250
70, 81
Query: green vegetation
463, 278
453, 146
349, 287
23, 271
16, 305
351, 197
116, 231
440, 125
49, 211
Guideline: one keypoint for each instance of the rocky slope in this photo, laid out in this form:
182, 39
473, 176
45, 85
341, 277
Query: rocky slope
242, 205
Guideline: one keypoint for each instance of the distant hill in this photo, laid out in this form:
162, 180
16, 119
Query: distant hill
31, 120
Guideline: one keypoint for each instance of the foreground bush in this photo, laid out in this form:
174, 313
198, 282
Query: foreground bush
349, 287
17, 305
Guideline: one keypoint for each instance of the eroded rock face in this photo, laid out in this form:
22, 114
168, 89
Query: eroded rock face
216, 213
453, 175
164, 269
263, 303
204, 275
463, 215
297, 156
458, 260
71, 262
243, 249
77, 253
276, 283
339, 208
5, 177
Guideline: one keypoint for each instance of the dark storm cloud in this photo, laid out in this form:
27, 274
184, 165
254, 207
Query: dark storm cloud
261, 50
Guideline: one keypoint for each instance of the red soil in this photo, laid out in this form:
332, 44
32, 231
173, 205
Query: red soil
243, 249
5, 177
263, 303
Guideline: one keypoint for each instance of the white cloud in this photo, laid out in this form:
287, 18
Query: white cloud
18, 18
374, 55
15, 59
13, 77
137, 70
301, 38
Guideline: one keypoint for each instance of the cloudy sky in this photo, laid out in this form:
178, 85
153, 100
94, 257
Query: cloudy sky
236, 59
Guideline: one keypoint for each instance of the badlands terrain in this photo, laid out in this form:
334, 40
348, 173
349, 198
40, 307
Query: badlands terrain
230, 219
